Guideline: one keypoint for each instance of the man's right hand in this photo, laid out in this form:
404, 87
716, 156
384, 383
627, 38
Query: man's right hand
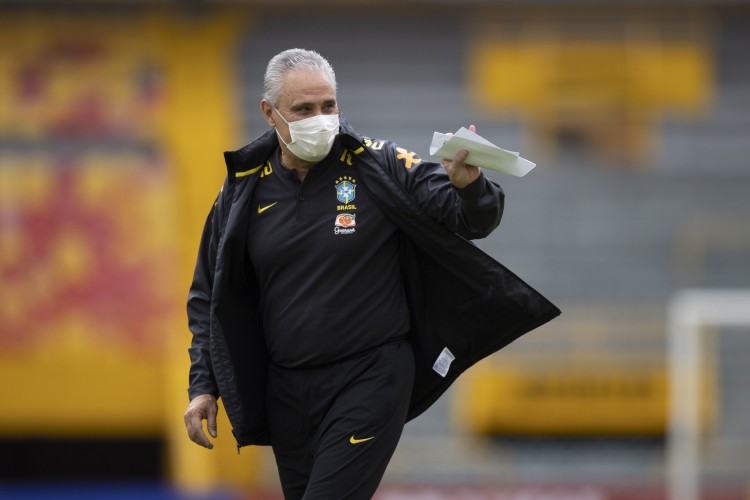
203, 407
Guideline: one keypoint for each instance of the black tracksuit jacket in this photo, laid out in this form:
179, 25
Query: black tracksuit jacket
458, 296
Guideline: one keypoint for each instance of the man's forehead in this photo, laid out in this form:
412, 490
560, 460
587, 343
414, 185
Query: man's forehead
300, 85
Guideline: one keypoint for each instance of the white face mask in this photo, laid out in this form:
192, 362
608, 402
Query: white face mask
311, 138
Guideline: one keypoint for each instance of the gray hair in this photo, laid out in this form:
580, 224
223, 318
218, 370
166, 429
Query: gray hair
289, 60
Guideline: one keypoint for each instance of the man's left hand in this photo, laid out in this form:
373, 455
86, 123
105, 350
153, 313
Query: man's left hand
460, 173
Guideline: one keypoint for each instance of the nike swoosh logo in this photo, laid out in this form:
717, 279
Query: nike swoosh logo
263, 209
354, 440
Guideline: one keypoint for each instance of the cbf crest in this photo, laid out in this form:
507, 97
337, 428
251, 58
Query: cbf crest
346, 189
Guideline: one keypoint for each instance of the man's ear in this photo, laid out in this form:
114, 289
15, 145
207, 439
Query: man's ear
267, 110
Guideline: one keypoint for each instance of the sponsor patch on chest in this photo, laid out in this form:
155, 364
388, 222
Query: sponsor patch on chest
345, 223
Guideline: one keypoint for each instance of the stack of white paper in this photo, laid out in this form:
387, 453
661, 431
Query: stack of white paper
482, 153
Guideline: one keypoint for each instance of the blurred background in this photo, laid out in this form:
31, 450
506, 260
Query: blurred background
113, 119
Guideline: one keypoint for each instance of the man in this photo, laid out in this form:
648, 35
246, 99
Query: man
336, 295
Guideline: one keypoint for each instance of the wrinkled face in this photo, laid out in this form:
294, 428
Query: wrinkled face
304, 94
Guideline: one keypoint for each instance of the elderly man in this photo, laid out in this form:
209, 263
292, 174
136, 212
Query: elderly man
336, 295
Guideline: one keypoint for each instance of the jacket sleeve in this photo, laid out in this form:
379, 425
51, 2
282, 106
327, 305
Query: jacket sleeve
201, 377
472, 212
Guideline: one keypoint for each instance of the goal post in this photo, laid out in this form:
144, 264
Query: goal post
690, 312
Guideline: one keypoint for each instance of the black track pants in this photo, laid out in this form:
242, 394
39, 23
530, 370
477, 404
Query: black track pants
334, 428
